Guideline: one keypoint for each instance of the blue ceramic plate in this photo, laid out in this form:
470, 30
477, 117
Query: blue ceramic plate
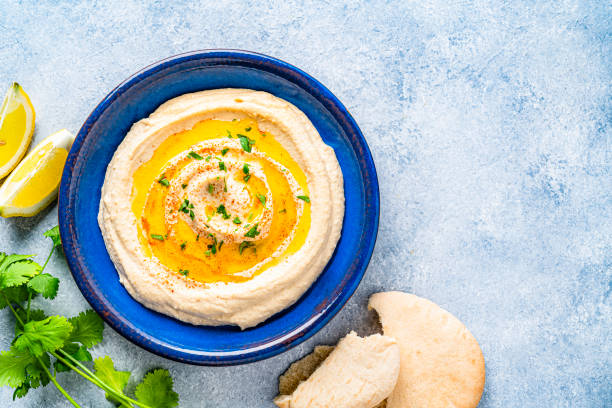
138, 97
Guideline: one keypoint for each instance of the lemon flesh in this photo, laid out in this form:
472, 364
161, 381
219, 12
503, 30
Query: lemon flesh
35, 182
17, 118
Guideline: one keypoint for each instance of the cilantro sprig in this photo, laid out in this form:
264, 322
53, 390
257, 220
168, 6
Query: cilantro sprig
45, 346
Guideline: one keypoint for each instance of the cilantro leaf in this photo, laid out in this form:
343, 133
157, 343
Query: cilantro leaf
40, 336
35, 314
156, 391
18, 272
105, 370
22, 390
44, 284
15, 294
36, 373
54, 234
13, 365
87, 328
6, 260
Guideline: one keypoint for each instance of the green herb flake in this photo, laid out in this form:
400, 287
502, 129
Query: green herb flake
220, 245
244, 245
303, 197
283, 211
261, 198
211, 189
183, 245
221, 210
246, 178
245, 168
194, 155
236, 220
164, 181
184, 272
224, 151
245, 142
222, 166
184, 186
207, 253
252, 233
191, 214
248, 129
157, 237
229, 134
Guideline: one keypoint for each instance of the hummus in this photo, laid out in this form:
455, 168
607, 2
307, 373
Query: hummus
222, 207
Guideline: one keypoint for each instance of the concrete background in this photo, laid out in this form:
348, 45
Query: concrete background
490, 125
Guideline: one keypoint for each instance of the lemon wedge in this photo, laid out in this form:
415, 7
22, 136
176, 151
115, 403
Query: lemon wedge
35, 182
16, 127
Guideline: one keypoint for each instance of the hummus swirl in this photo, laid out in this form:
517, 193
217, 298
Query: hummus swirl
222, 207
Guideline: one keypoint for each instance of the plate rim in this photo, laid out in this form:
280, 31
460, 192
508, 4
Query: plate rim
294, 337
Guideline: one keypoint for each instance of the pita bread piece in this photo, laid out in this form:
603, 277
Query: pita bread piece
441, 362
359, 373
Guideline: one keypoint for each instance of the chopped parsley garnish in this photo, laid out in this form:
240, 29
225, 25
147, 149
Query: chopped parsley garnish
185, 206
195, 155
305, 198
157, 237
252, 233
211, 189
198, 237
183, 245
245, 168
208, 158
250, 217
284, 210
244, 245
184, 272
224, 185
191, 214
248, 129
184, 185
219, 246
236, 220
245, 142
262, 198
207, 253
229, 134
224, 151
246, 178
164, 181
221, 210
222, 166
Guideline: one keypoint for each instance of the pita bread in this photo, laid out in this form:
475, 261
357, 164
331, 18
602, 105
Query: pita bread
358, 373
441, 362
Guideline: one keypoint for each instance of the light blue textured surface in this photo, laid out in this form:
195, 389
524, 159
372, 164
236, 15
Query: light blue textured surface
491, 128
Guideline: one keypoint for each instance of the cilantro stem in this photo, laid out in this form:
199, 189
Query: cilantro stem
49, 257
54, 381
92, 377
29, 292
8, 302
